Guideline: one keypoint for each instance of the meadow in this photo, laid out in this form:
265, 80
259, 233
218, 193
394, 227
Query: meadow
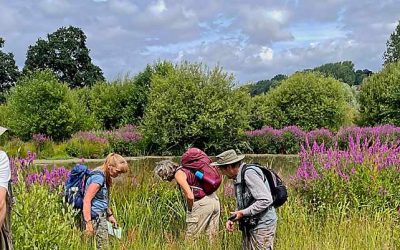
152, 212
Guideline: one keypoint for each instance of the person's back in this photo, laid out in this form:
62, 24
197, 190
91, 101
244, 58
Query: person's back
247, 194
203, 215
203, 207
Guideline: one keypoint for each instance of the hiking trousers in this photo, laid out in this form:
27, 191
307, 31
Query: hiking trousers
101, 232
204, 217
259, 238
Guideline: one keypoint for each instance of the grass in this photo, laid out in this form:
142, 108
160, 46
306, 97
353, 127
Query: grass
152, 214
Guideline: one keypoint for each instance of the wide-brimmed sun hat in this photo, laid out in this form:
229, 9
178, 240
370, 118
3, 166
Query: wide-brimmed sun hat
227, 157
2, 130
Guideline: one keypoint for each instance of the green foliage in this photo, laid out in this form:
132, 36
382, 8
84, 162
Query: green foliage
65, 53
192, 105
308, 100
40, 221
41, 104
83, 148
8, 71
342, 71
258, 109
361, 75
380, 97
16, 147
264, 86
392, 53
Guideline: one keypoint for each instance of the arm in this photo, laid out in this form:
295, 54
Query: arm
87, 204
3, 207
260, 192
181, 179
5, 175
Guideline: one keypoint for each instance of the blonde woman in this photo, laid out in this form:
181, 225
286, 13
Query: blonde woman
96, 210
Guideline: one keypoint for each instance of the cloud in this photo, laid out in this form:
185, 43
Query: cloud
255, 40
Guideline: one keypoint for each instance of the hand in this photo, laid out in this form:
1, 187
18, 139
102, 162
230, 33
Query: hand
89, 231
113, 221
230, 226
239, 215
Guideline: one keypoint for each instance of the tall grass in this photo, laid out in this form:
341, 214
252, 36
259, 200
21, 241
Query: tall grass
152, 215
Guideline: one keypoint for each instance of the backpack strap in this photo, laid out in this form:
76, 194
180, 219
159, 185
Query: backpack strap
243, 181
97, 172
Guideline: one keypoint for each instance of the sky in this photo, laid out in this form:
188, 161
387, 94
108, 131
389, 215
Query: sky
254, 40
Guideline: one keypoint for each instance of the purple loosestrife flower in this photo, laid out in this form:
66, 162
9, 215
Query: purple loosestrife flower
40, 138
89, 136
53, 178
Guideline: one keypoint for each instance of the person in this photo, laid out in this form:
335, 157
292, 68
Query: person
255, 213
5, 199
203, 210
96, 210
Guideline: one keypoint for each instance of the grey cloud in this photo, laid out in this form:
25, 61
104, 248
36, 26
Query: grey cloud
122, 34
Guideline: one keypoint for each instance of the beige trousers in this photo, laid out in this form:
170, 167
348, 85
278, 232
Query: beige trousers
259, 239
204, 217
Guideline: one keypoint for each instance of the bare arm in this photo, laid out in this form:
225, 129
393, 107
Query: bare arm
87, 200
181, 179
3, 207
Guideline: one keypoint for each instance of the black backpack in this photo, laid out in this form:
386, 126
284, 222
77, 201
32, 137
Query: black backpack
278, 188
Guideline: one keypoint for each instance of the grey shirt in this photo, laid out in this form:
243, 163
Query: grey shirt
257, 189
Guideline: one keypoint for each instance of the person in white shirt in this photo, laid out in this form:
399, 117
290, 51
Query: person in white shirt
5, 201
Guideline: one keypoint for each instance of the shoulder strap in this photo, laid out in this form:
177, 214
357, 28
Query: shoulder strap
98, 172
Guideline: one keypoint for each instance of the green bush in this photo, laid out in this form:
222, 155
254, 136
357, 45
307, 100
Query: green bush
126, 141
87, 145
308, 100
41, 104
16, 147
194, 106
380, 97
40, 220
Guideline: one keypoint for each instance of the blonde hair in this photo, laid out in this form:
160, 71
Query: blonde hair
116, 161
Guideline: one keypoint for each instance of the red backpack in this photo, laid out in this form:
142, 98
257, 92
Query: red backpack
198, 163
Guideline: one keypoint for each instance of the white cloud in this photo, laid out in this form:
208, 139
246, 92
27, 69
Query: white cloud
255, 39
266, 54
158, 7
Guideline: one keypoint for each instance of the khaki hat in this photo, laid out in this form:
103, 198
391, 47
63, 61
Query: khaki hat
2, 130
227, 157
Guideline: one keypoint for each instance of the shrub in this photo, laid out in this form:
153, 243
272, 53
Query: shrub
387, 134
361, 176
126, 141
40, 220
320, 136
292, 139
87, 145
41, 104
380, 97
265, 141
194, 106
308, 100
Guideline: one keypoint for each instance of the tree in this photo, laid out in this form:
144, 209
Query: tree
65, 53
194, 106
380, 97
39, 103
361, 75
264, 86
342, 71
392, 53
308, 100
8, 71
